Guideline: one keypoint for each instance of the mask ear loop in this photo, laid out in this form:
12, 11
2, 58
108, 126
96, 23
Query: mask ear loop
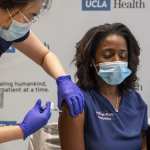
9, 13
93, 65
10, 16
26, 18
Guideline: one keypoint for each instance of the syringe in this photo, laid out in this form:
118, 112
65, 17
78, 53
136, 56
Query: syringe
54, 108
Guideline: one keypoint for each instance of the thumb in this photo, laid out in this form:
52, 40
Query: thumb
47, 110
38, 104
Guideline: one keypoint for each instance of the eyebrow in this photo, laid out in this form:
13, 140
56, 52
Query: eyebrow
110, 49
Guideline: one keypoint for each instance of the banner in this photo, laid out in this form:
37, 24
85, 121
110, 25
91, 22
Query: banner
23, 81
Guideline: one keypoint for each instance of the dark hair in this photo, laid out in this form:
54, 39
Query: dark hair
9, 4
86, 50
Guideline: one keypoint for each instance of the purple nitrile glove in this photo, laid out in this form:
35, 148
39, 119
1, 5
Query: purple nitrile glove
36, 118
71, 94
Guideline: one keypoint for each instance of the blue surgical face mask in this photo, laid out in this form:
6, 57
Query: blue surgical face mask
114, 73
15, 31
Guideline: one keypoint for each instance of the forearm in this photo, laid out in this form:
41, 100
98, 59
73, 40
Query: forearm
52, 65
35, 49
8, 133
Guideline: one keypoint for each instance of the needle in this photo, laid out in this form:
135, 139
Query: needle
54, 108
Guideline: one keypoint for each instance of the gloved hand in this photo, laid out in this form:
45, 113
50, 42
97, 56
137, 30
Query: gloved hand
70, 93
36, 118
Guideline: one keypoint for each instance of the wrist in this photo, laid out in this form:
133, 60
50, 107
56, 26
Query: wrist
22, 128
21, 135
62, 78
60, 75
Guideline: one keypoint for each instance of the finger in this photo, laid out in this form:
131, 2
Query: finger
82, 102
79, 101
81, 98
60, 102
76, 106
70, 107
38, 104
47, 110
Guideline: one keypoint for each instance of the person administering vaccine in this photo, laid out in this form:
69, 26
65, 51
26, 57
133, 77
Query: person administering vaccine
16, 19
35, 118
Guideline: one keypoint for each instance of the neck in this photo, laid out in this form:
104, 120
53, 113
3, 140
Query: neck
109, 90
112, 95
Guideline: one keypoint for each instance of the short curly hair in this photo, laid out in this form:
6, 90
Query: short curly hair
86, 50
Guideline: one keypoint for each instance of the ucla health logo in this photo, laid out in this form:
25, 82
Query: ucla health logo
103, 5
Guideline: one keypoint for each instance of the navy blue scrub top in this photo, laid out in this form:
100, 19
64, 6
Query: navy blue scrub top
106, 129
4, 45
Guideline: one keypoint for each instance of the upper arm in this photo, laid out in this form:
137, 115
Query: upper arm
33, 48
71, 131
144, 141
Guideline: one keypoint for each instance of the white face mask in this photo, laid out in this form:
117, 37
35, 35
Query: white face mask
15, 31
